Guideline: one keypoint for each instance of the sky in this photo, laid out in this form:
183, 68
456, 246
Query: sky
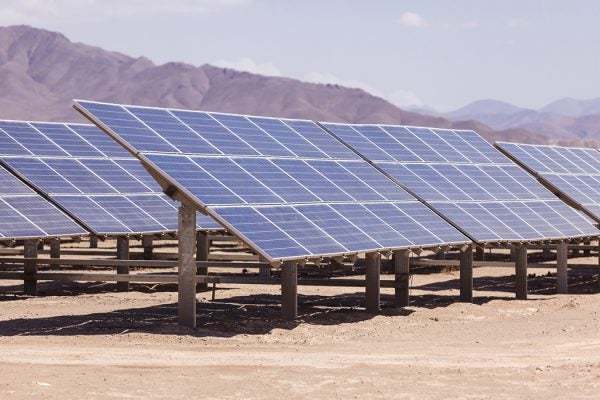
425, 53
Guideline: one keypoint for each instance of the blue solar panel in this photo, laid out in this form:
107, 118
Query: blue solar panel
287, 187
24, 213
95, 217
572, 172
73, 159
462, 176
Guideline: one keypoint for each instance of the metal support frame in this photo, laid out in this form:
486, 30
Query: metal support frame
562, 280
123, 254
401, 260
55, 250
202, 250
289, 290
147, 244
187, 266
373, 277
93, 242
30, 268
466, 274
521, 272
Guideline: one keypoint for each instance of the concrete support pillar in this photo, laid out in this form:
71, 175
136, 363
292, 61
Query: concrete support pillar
373, 276
123, 254
546, 253
479, 253
187, 266
440, 255
289, 290
54, 250
202, 250
264, 271
562, 282
466, 274
147, 244
30, 267
521, 272
93, 242
401, 260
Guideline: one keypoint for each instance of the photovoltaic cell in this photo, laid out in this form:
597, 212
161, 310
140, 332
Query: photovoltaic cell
285, 186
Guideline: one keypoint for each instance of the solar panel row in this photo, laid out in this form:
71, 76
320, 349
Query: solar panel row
285, 186
574, 172
25, 214
91, 176
467, 180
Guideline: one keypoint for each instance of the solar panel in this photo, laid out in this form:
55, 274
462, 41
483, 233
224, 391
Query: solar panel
90, 176
466, 180
286, 187
572, 172
25, 214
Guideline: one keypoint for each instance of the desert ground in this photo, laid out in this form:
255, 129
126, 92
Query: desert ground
86, 341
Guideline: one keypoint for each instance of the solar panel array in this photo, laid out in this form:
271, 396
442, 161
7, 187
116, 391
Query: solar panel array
285, 186
574, 172
25, 214
467, 180
90, 176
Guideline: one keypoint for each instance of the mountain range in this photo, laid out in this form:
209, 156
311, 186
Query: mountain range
42, 71
566, 120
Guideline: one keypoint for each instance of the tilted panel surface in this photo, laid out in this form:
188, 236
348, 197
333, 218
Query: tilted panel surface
25, 214
287, 187
90, 176
467, 180
572, 172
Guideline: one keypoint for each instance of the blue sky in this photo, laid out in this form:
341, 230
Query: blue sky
442, 54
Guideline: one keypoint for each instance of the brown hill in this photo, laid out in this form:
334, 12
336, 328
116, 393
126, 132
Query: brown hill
42, 71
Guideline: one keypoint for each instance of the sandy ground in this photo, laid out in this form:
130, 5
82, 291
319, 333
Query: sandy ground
87, 341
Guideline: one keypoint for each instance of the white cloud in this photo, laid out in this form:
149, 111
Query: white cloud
400, 98
515, 23
249, 65
412, 20
40, 11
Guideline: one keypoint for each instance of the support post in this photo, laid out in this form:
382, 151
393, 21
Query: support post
521, 272
372, 275
123, 254
289, 290
264, 270
466, 274
401, 260
202, 250
30, 268
513, 253
562, 282
54, 250
440, 255
479, 253
187, 266
93, 242
147, 243
587, 252
546, 253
